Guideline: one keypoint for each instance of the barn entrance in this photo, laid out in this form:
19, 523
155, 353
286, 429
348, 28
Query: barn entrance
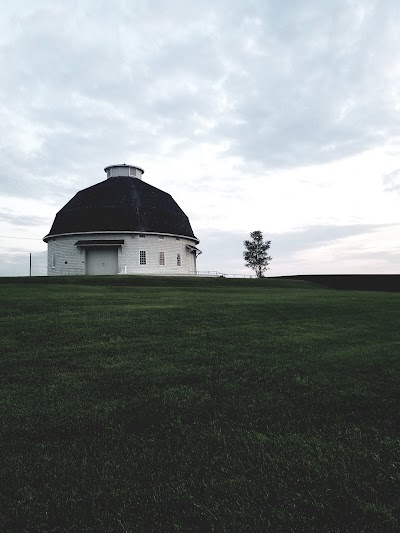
102, 261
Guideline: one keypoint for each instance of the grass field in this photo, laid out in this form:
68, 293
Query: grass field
159, 404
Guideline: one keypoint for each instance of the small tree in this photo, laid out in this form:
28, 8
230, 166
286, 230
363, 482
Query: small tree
256, 255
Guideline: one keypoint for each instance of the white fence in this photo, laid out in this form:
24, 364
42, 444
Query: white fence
201, 273
215, 273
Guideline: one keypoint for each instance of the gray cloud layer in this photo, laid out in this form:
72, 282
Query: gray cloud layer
282, 86
18, 219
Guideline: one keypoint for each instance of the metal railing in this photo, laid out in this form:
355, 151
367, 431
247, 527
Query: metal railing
71, 271
215, 273
212, 273
249, 276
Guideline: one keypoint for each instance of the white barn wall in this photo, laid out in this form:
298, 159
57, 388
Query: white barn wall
71, 260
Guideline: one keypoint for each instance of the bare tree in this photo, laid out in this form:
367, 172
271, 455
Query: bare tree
255, 254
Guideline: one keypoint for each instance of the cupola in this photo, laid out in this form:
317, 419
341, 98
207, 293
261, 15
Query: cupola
123, 170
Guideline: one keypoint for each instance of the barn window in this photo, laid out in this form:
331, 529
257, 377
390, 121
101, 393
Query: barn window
178, 238
142, 257
53, 260
161, 236
142, 235
162, 258
132, 171
178, 260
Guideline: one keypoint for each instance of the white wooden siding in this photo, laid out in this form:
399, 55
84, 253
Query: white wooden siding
71, 260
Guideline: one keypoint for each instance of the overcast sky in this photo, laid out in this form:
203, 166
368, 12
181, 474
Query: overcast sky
263, 115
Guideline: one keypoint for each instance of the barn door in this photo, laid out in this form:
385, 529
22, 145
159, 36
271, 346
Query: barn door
101, 261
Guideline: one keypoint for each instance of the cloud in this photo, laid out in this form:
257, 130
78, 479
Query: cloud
281, 87
19, 219
225, 103
318, 87
391, 181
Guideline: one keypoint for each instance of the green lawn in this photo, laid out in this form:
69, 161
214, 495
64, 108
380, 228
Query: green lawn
158, 404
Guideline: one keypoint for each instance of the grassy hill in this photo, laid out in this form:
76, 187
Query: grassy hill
181, 404
360, 282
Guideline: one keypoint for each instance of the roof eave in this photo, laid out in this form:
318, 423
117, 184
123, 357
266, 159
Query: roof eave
49, 236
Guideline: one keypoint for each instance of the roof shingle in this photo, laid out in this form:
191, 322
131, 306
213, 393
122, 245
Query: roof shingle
122, 204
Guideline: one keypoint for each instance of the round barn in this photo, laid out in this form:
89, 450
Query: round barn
121, 226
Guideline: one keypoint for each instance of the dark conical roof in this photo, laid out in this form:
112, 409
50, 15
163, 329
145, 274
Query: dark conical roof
122, 204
